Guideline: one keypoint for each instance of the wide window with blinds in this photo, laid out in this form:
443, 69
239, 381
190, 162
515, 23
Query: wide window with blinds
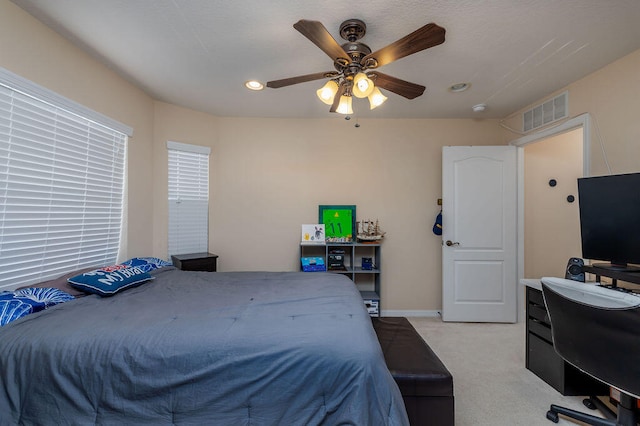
188, 198
62, 175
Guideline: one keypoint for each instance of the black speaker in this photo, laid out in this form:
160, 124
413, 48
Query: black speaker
574, 269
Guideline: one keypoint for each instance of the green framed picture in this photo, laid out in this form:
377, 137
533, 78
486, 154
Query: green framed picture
339, 223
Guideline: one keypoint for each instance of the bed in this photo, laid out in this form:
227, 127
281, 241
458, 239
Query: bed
236, 348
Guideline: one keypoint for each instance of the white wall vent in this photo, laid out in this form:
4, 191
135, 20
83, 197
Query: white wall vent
552, 110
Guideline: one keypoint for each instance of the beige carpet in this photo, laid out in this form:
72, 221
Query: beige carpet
490, 382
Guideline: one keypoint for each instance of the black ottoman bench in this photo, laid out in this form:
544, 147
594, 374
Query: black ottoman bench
425, 383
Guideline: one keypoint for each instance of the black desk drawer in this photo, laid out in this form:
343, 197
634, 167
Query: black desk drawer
545, 362
535, 306
539, 313
535, 296
540, 329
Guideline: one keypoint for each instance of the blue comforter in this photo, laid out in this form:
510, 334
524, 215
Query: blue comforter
199, 348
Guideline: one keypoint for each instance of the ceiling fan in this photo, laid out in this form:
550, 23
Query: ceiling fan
356, 65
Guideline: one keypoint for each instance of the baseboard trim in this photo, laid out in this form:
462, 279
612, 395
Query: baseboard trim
409, 313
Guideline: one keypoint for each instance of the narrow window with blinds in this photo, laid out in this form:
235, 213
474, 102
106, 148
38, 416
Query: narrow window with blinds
188, 198
62, 176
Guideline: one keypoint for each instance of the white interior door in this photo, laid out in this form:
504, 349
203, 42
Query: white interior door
479, 221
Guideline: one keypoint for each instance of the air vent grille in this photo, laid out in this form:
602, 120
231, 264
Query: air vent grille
552, 110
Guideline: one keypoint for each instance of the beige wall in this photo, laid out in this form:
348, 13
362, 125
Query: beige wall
268, 177
548, 214
31, 50
611, 96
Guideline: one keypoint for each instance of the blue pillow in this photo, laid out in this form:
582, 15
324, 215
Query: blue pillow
11, 309
110, 280
47, 296
14, 305
147, 264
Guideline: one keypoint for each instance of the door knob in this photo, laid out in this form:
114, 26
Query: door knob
451, 243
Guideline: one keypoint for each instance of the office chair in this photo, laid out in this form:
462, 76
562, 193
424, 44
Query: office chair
597, 330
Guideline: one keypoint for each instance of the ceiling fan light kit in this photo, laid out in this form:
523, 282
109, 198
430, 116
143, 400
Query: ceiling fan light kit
354, 63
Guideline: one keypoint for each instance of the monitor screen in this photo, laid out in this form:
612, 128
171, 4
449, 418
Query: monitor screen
610, 219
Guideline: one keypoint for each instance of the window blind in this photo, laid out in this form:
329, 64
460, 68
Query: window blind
188, 198
61, 189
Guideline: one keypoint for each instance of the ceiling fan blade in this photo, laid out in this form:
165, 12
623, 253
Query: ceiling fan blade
423, 38
275, 84
336, 100
318, 34
396, 85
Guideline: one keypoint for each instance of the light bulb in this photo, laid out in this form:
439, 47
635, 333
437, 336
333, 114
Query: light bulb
362, 85
327, 92
376, 98
253, 85
344, 107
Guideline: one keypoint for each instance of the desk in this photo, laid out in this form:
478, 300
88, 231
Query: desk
630, 277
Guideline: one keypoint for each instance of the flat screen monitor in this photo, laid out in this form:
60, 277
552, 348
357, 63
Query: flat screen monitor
610, 220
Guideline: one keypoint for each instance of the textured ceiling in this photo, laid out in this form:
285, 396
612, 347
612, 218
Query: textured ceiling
199, 53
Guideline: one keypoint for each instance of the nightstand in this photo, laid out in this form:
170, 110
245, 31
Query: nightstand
195, 261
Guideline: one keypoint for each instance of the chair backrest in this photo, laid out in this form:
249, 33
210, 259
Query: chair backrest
597, 330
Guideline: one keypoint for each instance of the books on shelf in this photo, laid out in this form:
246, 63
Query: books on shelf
313, 264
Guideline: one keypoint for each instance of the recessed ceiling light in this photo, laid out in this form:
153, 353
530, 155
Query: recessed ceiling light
459, 87
254, 85
479, 107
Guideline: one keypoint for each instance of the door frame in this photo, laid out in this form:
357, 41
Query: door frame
582, 121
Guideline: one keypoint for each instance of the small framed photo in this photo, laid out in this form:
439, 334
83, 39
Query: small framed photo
313, 234
339, 222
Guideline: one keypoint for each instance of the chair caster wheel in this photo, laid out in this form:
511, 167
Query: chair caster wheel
552, 416
589, 403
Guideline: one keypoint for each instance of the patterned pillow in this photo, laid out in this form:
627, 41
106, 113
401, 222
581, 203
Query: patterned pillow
110, 280
11, 309
61, 282
46, 296
14, 305
147, 264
